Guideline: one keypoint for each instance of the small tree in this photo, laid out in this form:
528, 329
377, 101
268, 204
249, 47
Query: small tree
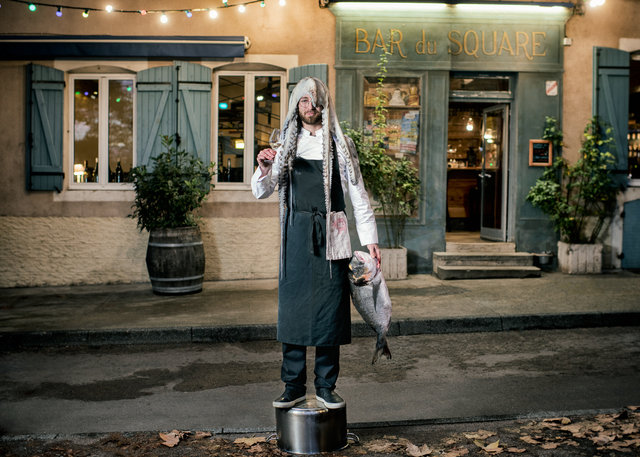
393, 183
572, 195
169, 192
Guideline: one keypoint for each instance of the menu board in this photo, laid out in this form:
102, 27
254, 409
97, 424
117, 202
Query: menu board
540, 153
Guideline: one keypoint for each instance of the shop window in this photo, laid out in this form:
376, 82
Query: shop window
403, 114
248, 109
102, 138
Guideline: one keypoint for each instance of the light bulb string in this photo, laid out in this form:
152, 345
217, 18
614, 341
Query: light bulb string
139, 11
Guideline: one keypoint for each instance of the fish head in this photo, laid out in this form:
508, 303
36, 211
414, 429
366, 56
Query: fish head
363, 268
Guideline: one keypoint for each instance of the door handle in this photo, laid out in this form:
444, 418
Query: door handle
484, 175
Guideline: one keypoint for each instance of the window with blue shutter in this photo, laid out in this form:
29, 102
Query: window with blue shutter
318, 70
174, 100
611, 97
45, 93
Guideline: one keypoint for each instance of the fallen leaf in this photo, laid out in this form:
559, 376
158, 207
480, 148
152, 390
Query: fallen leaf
560, 420
603, 438
201, 435
528, 439
549, 445
479, 435
390, 437
516, 450
491, 448
381, 446
633, 408
250, 441
415, 451
172, 438
458, 452
629, 429
574, 429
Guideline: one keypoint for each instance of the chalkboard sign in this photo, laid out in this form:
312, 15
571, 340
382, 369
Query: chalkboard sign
540, 154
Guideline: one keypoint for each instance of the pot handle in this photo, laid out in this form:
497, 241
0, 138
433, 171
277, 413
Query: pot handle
353, 437
272, 437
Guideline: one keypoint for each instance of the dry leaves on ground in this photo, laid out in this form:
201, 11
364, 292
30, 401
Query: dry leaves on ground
618, 431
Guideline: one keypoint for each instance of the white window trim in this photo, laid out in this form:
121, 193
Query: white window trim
103, 122
249, 118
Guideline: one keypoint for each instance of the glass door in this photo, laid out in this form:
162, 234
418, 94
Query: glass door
493, 207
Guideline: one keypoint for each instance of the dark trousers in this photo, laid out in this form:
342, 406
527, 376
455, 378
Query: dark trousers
294, 367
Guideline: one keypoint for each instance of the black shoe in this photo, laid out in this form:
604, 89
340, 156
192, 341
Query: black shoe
330, 398
289, 399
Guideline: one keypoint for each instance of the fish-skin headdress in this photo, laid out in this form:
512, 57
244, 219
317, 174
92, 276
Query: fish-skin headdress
319, 94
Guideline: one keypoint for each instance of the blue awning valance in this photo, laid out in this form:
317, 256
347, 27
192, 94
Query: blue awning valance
18, 47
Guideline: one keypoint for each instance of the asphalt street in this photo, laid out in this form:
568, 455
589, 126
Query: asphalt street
228, 387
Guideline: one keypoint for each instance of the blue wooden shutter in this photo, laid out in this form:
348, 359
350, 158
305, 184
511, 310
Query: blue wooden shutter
631, 235
194, 108
174, 100
155, 110
319, 70
611, 97
45, 96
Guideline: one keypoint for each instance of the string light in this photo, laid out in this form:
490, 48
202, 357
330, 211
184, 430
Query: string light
282, 2
241, 5
164, 19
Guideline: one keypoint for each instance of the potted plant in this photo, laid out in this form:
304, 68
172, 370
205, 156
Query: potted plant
393, 183
167, 195
579, 197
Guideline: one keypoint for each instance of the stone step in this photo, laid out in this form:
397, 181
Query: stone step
481, 247
485, 272
481, 258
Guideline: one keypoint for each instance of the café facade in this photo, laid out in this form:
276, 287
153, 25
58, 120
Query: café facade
469, 87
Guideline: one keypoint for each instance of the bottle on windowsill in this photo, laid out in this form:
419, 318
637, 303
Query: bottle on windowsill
95, 171
118, 172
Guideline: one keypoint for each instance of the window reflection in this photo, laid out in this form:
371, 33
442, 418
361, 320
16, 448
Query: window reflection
120, 130
85, 130
267, 111
231, 128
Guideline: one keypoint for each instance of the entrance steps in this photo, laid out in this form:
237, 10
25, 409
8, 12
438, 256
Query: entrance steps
483, 260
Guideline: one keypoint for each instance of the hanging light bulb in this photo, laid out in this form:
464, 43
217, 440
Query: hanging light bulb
142, 12
213, 14
224, 2
59, 12
188, 13
469, 126
85, 13
596, 3
242, 9
164, 19
282, 2
108, 8
32, 7
262, 4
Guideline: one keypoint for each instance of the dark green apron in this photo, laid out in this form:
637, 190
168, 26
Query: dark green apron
313, 294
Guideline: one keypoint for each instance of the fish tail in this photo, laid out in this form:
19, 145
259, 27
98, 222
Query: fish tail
382, 348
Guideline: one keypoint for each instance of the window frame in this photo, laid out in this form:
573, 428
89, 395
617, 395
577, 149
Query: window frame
249, 119
103, 122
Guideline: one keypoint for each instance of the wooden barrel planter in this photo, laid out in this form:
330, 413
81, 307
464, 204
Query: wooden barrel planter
175, 261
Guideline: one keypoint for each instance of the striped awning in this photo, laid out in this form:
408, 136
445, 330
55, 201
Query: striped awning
18, 47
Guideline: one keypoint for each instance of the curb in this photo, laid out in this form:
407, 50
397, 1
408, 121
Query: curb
262, 332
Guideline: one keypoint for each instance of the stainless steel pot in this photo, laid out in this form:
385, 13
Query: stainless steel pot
311, 428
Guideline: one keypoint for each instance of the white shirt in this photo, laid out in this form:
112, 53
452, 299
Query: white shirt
310, 148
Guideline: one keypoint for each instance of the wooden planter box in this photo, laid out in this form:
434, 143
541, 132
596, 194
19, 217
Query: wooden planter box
394, 263
580, 258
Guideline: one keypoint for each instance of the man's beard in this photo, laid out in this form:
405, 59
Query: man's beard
313, 119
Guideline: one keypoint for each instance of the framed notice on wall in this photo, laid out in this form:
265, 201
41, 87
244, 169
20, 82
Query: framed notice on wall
540, 153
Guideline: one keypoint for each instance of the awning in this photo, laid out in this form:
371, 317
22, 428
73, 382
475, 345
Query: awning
19, 47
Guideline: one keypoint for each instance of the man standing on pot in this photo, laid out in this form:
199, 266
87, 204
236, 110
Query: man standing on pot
314, 168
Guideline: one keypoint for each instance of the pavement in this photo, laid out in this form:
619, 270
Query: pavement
246, 310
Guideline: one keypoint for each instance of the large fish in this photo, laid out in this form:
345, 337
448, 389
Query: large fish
370, 296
